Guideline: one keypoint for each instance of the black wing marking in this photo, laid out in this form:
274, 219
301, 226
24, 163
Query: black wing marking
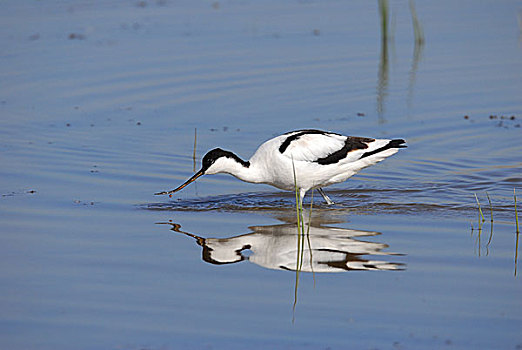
327, 148
351, 144
297, 134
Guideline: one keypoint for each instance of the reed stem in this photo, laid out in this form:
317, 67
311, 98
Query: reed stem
194, 153
516, 213
490, 207
481, 216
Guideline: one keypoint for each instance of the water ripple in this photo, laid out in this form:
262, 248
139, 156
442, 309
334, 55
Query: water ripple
360, 201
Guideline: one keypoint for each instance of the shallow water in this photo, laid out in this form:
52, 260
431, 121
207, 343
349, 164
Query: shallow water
99, 105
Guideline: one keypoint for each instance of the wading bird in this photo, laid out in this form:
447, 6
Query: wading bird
306, 159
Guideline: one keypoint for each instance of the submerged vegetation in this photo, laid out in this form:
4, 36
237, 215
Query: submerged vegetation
481, 216
387, 20
490, 206
301, 236
417, 28
481, 220
516, 212
194, 152
517, 232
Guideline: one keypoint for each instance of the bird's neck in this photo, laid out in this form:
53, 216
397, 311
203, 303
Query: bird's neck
243, 170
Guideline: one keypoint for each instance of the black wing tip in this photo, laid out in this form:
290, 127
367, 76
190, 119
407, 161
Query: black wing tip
397, 143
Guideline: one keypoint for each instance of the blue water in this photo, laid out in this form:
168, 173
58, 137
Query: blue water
99, 105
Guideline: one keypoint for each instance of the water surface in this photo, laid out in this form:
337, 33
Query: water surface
99, 103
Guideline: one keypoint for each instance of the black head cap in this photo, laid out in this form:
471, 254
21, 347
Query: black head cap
217, 153
211, 157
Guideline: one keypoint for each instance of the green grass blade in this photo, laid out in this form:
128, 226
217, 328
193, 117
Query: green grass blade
516, 213
481, 216
308, 235
491, 224
417, 28
518, 231
490, 206
195, 144
298, 206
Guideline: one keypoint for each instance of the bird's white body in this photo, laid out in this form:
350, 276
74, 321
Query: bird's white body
270, 166
316, 158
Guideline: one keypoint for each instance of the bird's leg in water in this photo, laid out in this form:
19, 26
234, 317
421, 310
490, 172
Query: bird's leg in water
326, 198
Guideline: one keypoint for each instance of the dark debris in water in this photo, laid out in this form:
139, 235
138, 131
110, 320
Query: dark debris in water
76, 36
18, 193
144, 4
501, 121
84, 203
224, 129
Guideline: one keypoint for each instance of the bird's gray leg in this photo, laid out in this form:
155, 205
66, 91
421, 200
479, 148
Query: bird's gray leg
305, 217
326, 198
302, 194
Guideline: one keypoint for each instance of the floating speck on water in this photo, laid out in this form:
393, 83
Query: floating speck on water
138, 123
77, 201
466, 117
76, 36
316, 32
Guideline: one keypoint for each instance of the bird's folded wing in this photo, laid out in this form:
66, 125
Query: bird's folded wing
326, 148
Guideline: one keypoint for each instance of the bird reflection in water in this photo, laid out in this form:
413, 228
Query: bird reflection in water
326, 249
